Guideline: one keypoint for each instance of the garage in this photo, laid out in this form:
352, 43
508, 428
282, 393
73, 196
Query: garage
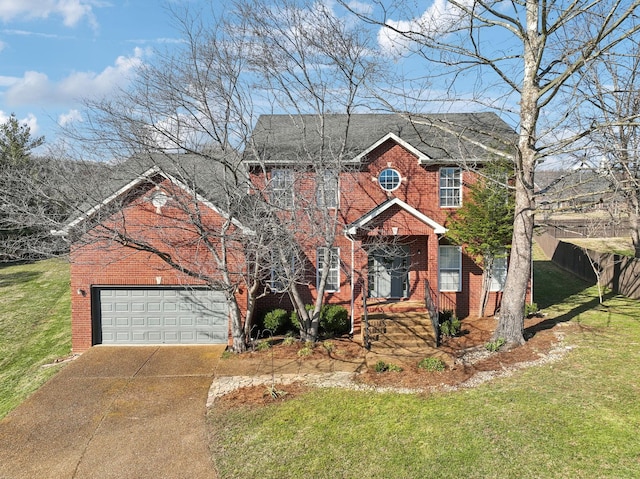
160, 316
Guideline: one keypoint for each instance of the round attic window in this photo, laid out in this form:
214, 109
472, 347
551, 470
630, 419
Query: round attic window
389, 179
159, 200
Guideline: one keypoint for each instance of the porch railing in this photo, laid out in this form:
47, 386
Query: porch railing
366, 338
431, 300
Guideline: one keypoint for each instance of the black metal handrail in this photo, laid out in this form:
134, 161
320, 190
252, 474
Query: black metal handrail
366, 336
431, 300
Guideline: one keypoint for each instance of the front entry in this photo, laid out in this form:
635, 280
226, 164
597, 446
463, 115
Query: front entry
389, 271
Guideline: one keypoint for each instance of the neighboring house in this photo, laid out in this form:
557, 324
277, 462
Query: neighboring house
389, 183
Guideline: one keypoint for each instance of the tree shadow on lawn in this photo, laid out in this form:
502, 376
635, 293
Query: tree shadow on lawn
566, 317
19, 277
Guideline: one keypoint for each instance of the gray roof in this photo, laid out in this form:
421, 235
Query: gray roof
205, 174
440, 137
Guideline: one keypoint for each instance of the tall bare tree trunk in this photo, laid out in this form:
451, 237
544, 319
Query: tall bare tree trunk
511, 322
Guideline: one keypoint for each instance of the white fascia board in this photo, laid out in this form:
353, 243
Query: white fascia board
140, 179
93, 210
390, 136
378, 210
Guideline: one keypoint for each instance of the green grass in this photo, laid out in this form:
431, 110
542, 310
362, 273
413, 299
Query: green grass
35, 327
575, 418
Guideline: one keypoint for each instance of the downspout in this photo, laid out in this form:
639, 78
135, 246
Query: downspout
352, 241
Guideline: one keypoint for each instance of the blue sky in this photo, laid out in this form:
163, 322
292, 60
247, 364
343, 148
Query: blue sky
53, 52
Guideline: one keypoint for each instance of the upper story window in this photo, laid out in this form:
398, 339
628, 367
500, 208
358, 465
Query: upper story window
389, 179
327, 189
281, 187
332, 257
450, 187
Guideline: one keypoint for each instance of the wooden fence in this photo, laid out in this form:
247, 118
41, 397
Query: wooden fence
619, 273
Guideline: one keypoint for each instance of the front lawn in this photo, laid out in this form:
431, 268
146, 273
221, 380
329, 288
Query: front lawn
35, 327
578, 417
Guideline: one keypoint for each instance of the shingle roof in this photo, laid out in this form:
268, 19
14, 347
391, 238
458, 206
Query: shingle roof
440, 137
203, 174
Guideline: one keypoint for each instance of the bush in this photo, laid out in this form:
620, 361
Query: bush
494, 346
306, 350
530, 309
263, 345
276, 320
449, 324
382, 367
334, 319
289, 341
431, 364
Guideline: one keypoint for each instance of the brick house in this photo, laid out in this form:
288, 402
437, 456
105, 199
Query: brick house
389, 185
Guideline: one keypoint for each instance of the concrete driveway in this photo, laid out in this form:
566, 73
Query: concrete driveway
121, 412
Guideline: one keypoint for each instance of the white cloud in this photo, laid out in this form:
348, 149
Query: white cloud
3, 45
72, 116
360, 7
438, 19
37, 88
71, 11
8, 81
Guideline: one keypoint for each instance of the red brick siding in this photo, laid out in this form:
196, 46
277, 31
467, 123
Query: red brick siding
97, 261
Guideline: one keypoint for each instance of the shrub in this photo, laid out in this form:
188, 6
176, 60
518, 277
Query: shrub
334, 320
431, 364
307, 350
295, 321
289, 341
263, 345
449, 324
382, 367
495, 345
329, 346
276, 320
530, 309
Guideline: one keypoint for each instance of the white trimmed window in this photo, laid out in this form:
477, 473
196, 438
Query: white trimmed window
331, 255
281, 187
450, 268
327, 193
389, 179
450, 187
498, 273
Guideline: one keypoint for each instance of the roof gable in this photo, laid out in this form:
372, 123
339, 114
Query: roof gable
380, 209
139, 180
434, 138
390, 136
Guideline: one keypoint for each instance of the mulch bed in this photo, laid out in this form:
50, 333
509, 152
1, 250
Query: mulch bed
541, 333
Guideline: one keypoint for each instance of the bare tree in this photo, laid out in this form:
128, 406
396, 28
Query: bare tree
192, 112
314, 64
611, 87
524, 59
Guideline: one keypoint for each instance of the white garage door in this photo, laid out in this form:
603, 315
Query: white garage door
162, 316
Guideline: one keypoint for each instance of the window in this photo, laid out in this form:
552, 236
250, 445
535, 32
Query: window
450, 187
328, 189
282, 187
389, 179
498, 273
332, 255
280, 276
450, 268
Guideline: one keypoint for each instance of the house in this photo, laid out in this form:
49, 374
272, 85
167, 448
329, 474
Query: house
387, 184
